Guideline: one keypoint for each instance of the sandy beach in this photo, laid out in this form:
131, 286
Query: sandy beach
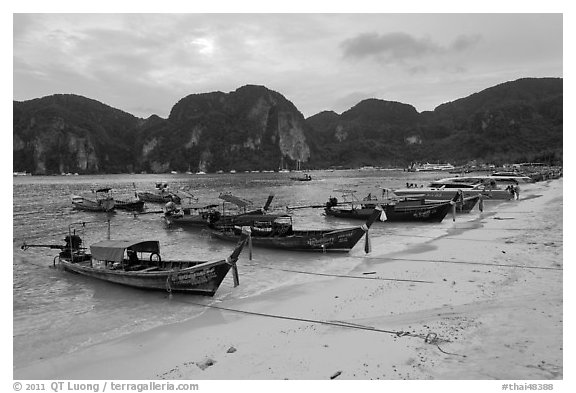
485, 302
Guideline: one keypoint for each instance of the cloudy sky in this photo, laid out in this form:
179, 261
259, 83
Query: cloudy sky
144, 63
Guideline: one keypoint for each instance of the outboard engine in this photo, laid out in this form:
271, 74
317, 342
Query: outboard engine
213, 216
333, 201
73, 242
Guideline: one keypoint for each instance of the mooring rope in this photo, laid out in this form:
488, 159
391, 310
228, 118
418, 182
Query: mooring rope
458, 238
429, 338
340, 275
460, 262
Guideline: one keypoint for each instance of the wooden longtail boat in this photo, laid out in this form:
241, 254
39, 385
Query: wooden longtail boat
190, 216
306, 177
102, 201
198, 215
133, 205
445, 191
138, 264
276, 231
395, 209
161, 194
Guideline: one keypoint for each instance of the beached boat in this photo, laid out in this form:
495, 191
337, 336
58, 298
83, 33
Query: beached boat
511, 177
486, 181
101, 202
160, 194
395, 208
305, 177
445, 190
277, 231
138, 264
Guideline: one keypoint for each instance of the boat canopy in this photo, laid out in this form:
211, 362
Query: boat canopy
105, 189
113, 250
234, 199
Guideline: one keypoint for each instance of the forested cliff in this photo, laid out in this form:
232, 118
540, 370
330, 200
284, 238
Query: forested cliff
254, 128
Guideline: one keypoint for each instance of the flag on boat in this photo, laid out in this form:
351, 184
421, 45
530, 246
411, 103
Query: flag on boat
383, 216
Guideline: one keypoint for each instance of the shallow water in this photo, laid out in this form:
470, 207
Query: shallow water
56, 312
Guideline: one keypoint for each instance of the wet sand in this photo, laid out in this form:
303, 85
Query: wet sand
491, 308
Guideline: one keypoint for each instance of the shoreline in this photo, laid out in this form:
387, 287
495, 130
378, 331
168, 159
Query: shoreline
492, 322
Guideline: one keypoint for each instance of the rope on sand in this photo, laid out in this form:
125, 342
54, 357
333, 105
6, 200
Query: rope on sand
341, 275
460, 262
471, 240
430, 338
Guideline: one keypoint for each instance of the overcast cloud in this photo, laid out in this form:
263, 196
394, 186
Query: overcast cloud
145, 63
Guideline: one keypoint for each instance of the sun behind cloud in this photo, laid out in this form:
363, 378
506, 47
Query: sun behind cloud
205, 45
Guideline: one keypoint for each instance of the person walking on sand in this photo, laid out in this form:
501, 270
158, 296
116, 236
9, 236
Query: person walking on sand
516, 189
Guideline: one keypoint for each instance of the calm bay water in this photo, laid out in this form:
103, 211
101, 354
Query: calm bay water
57, 312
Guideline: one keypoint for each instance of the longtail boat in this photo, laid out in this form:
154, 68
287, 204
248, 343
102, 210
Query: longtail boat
138, 264
134, 204
276, 231
439, 190
395, 208
305, 177
161, 194
131, 205
101, 202
197, 215
201, 215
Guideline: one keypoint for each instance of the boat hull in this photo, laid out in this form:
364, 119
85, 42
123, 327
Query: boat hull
437, 194
187, 220
209, 219
341, 240
105, 205
156, 198
397, 213
203, 279
129, 205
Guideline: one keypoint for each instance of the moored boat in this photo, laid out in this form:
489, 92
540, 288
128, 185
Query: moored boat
445, 190
138, 264
131, 205
305, 177
277, 231
200, 215
395, 208
161, 194
101, 202
197, 215
511, 177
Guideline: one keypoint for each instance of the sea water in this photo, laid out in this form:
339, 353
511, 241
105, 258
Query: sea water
56, 312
